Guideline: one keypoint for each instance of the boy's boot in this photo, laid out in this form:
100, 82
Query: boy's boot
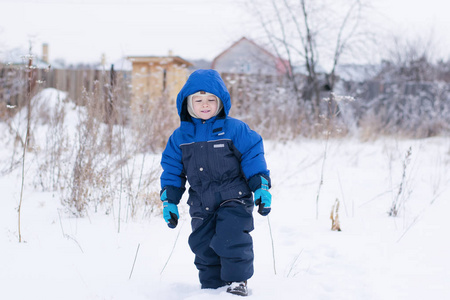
238, 288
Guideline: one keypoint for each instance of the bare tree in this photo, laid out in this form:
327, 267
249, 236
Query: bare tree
410, 60
313, 34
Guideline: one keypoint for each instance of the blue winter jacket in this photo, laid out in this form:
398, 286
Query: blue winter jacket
222, 158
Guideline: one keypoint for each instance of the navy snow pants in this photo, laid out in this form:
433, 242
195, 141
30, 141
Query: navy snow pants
223, 246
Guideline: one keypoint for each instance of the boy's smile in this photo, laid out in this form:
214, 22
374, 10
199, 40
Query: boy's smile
205, 106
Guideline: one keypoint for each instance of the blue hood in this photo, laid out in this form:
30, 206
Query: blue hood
203, 80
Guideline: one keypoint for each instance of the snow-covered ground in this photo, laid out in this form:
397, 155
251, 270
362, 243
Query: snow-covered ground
375, 256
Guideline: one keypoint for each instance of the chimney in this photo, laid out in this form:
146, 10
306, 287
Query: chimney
103, 59
170, 53
45, 53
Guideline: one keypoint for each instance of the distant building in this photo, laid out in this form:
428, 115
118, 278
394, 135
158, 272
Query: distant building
247, 57
20, 59
357, 72
199, 64
153, 77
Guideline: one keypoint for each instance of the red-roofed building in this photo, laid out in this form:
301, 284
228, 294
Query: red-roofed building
247, 57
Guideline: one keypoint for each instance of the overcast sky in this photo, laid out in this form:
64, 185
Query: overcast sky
82, 30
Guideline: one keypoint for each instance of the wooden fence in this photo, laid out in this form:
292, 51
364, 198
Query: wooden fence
13, 82
243, 88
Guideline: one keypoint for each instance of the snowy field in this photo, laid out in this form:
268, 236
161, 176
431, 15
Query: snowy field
375, 256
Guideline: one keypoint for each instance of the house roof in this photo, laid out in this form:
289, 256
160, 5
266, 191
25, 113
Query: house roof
36, 63
160, 60
282, 64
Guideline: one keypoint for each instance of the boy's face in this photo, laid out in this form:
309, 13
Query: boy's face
205, 106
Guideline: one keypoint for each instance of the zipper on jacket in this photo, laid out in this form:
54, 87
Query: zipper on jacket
232, 200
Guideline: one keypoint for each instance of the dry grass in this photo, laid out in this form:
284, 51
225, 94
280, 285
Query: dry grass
104, 163
334, 216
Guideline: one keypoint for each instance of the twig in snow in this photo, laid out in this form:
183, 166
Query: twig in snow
396, 203
321, 176
273, 247
342, 193
293, 264
26, 144
120, 198
409, 227
173, 248
134, 262
374, 198
416, 219
68, 236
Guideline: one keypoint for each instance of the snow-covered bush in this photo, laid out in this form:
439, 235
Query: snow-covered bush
103, 154
402, 109
91, 162
272, 106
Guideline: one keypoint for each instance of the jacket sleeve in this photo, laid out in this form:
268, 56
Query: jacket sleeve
173, 179
253, 163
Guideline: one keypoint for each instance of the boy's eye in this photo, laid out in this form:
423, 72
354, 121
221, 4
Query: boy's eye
212, 100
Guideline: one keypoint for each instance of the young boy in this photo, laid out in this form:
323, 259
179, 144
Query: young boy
223, 161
